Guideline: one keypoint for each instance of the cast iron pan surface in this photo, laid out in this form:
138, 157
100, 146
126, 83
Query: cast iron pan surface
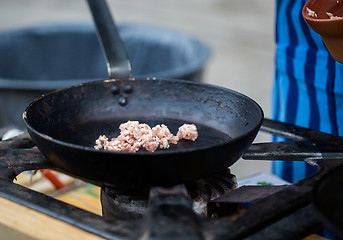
65, 124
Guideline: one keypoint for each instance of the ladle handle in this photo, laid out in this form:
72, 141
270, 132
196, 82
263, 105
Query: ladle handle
118, 63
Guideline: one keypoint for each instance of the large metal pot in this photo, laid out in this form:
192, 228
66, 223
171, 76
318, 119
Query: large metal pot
37, 60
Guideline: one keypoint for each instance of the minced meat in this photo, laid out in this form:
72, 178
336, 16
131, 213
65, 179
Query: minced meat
134, 135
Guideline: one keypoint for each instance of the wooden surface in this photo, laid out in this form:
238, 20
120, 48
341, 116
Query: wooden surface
19, 222
86, 197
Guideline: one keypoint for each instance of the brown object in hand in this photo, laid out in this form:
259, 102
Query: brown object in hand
325, 17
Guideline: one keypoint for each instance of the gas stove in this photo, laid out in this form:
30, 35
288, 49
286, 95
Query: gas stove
208, 208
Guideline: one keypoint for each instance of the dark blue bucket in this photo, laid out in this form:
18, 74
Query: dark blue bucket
40, 59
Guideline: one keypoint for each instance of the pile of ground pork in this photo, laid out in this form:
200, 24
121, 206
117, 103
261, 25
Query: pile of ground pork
134, 135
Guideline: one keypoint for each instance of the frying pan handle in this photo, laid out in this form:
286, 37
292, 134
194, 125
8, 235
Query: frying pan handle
118, 63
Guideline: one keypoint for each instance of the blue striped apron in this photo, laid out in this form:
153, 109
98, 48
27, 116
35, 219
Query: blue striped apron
308, 84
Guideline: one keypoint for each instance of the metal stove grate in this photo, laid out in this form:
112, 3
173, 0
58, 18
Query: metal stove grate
280, 213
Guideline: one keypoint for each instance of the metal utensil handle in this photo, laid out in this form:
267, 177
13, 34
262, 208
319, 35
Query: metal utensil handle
118, 63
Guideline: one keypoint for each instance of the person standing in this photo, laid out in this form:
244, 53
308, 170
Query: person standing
308, 83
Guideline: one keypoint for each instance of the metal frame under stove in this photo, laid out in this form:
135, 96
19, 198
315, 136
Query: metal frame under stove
283, 214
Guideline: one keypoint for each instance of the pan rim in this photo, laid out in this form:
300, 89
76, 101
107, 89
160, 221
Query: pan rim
142, 153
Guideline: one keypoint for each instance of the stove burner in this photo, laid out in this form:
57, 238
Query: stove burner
206, 189
126, 203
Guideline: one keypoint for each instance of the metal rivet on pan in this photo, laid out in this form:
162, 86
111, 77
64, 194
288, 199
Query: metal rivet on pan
128, 89
115, 90
123, 101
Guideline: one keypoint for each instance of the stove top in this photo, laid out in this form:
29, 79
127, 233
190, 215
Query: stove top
250, 212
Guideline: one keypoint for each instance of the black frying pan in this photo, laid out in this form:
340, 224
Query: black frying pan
64, 124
